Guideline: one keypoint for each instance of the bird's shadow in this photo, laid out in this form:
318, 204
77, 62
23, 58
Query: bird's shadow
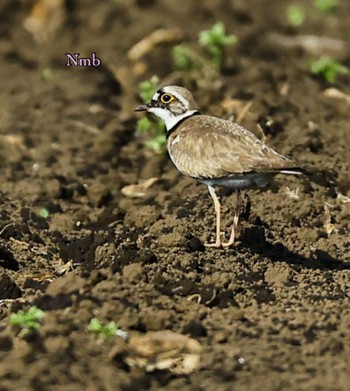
252, 239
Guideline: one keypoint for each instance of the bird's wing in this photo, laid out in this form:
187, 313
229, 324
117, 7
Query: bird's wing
203, 148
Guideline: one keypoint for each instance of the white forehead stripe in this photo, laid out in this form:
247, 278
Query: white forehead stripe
156, 96
179, 97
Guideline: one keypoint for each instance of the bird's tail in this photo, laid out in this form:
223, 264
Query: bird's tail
323, 178
295, 171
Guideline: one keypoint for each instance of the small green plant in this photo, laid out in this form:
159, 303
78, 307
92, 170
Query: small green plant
148, 88
157, 143
153, 130
215, 41
183, 57
327, 68
44, 213
28, 320
296, 15
326, 5
47, 74
108, 330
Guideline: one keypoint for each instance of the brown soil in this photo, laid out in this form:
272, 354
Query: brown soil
272, 313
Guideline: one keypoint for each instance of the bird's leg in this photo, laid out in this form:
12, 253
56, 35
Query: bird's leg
231, 241
217, 206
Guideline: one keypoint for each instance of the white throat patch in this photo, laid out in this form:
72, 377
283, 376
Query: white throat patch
168, 117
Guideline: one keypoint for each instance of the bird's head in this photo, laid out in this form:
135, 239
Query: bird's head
171, 104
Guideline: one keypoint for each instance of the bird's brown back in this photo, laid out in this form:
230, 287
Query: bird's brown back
209, 147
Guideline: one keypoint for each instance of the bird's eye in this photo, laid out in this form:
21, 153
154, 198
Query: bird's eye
166, 98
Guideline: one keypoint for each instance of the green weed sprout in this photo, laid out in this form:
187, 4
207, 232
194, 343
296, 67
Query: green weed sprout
215, 41
28, 320
157, 143
183, 57
106, 331
148, 88
296, 15
47, 74
326, 5
327, 68
154, 130
44, 213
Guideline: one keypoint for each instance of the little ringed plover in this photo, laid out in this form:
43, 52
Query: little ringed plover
215, 151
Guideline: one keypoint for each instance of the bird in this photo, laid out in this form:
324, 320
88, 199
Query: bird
215, 152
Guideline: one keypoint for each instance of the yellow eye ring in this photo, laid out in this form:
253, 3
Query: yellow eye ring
166, 98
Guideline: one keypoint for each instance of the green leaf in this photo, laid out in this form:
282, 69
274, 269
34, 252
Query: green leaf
148, 88
296, 15
44, 213
326, 5
215, 40
183, 58
154, 133
143, 125
106, 331
327, 68
28, 319
157, 143
47, 74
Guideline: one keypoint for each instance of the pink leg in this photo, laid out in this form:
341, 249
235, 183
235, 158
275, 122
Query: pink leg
217, 206
233, 236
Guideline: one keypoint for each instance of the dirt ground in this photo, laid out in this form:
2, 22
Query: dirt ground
272, 313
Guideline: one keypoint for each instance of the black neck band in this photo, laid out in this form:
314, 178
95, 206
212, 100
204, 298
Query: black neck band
172, 130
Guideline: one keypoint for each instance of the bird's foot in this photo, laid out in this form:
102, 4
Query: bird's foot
230, 243
217, 244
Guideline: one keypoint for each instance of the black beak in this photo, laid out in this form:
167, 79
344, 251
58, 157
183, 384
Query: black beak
142, 108
145, 107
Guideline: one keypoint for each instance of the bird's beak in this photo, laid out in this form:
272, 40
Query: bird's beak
142, 108
147, 106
